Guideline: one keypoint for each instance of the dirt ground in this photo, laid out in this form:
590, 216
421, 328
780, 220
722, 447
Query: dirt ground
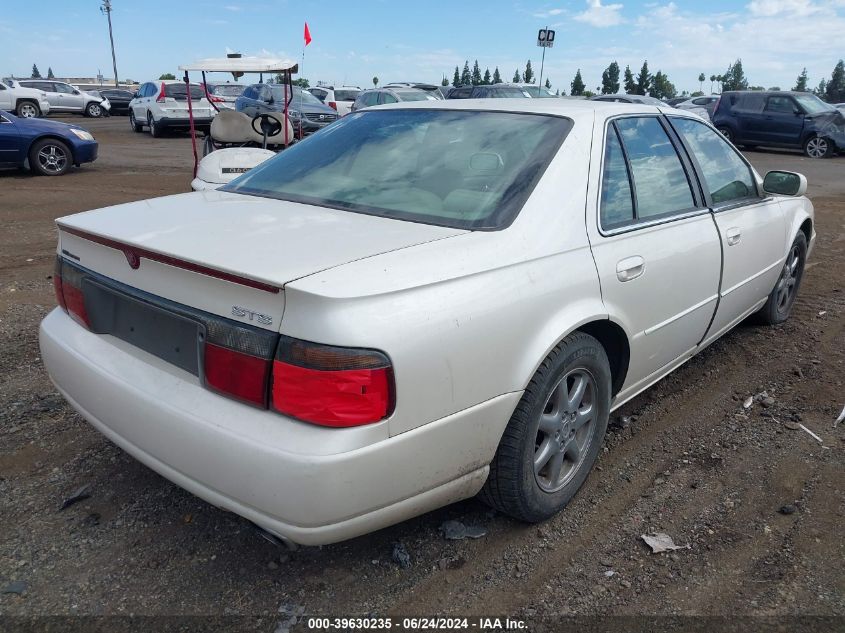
684, 458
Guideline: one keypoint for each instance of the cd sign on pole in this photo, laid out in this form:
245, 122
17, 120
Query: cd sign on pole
546, 38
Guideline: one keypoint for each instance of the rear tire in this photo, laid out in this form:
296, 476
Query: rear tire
136, 127
555, 433
27, 109
818, 147
156, 130
50, 157
779, 304
727, 133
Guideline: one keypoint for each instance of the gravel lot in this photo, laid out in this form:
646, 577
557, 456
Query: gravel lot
685, 458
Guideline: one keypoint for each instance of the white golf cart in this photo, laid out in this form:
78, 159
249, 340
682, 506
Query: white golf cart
237, 142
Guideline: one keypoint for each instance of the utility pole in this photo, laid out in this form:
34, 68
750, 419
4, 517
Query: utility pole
106, 8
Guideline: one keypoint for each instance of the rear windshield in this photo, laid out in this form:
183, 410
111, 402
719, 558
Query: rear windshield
463, 169
227, 91
178, 92
346, 95
299, 95
414, 95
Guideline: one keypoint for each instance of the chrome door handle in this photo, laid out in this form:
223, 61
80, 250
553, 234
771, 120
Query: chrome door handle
630, 268
733, 236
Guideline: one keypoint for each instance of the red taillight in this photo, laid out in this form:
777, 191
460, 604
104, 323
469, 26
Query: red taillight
333, 105
236, 374
215, 99
68, 284
331, 386
162, 94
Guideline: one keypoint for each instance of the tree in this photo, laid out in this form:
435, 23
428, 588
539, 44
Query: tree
643, 80
630, 86
661, 87
610, 79
801, 82
734, 78
476, 74
548, 83
486, 80
719, 80
775, 88
445, 81
835, 89
167, 76
302, 82
35, 73
50, 74
528, 75
497, 78
516, 78
577, 85
712, 80
701, 79
466, 77
456, 80
375, 81
821, 91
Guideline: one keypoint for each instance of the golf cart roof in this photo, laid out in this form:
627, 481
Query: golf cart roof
242, 65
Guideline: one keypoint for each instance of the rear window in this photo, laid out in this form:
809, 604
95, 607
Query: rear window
346, 95
227, 91
461, 169
178, 92
414, 95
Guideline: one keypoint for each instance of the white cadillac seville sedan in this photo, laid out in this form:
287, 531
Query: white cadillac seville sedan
420, 303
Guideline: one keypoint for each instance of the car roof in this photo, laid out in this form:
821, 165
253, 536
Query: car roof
571, 108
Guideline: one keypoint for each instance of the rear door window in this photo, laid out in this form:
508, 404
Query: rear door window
386, 97
727, 177
660, 182
780, 104
617, 202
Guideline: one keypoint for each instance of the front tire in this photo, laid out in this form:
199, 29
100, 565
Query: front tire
727, 133
28, 110
555, 433
94, 110
50, 157
818, 147
779, 304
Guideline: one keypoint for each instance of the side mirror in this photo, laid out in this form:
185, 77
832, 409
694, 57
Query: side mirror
785, 183
797, 111
76, 92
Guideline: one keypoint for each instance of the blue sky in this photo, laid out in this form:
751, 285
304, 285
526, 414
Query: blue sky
397, 40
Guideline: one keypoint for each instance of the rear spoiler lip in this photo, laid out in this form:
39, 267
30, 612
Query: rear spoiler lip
135, 254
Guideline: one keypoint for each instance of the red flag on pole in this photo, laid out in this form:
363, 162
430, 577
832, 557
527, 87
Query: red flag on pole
307, 35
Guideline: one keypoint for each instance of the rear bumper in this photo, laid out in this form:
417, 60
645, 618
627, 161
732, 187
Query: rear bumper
308, 484
199, 122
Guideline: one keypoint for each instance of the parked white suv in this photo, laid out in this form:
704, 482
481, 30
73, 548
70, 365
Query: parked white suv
340, 98
25, 102
163, 105
66, 98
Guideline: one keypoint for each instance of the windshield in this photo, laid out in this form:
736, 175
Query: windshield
462, 169
414, 95
227, 90
812, 104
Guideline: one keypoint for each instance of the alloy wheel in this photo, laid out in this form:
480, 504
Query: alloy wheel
52, 158
817, 147
28, 111
95, 110
788, 279
565, 430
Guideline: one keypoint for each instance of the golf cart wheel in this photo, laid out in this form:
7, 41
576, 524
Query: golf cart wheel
28, 110
818, 147
555, 433
50, 157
